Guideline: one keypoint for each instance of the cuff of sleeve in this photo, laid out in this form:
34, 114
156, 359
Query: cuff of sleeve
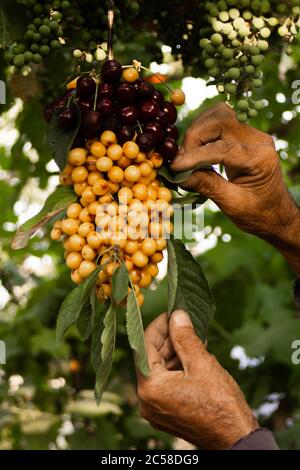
260, 439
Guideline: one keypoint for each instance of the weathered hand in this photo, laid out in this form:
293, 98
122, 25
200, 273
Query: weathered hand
255, 196
188, 393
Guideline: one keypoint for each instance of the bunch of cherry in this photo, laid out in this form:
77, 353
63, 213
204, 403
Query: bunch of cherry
125, 104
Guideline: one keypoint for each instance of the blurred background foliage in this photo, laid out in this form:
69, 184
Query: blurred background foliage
46, 398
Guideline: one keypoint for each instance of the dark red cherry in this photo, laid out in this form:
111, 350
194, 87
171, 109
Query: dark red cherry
172, 131
170, 111
85, 87
148, 111
168, 148
105, 107
85, 105
105, 90
156, 129
146, 141
124, 134
162, 119
138, 83
126, 93
111, 71
92, 121
128, 114
145, 91
158, 97
67, 118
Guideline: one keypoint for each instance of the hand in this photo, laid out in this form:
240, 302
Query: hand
255, 196
188, 393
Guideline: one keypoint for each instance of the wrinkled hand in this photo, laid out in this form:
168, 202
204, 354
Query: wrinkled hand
255, 196
188, 393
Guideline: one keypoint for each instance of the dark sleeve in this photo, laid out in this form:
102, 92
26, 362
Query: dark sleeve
260, 439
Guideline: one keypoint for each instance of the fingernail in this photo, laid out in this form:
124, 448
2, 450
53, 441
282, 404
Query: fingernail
181, 318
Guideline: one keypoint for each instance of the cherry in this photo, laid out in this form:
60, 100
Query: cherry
48, 113
105, 107
126, 93
92, 121
170, 111
128, 114
162, 119
156, 129
67, 118
124, 134
138, 83
146, 141
111, 71
85, 86
105, 90
168, 148
172, 131
158, 97
145, 91
148, 111
85, 105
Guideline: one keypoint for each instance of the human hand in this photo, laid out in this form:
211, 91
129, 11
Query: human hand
188, 393
255, 196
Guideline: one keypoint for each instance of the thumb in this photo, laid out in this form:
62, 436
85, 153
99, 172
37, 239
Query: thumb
185, 342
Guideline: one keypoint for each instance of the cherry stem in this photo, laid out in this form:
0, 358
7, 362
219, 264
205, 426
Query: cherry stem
110, 15
96, 96
138, 66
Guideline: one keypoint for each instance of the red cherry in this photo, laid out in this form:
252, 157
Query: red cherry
92, 121
145, 91
85, 86
168, 148
138, 83
156, 129
128, 115
126, 93
170, 111
67, 118
105, 107
148, 111
158, 97
162, 119
146, 141
111, 71
105, 90
124, 134
85, 105
172, 131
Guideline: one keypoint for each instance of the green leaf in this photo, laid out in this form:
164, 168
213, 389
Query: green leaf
178, 178
60, 140
135, 332
96, 336
108, 341
84, 323
188, 287
56, 203
190, 199
75, 304
120, 282
13, 21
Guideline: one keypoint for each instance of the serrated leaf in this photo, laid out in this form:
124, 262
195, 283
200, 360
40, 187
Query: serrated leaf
60, 140
108, 341
13, 22
75, 304
188, 287
120, 282
56, 203
96, 336
84, 323
135, 332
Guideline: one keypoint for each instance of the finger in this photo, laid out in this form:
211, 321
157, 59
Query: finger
167, 350
221, 152
157, 331
174, 364
186, 343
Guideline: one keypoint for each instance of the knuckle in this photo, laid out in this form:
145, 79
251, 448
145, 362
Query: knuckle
144, 412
